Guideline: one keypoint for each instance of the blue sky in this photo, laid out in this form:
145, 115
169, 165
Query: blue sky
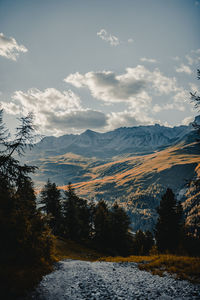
81, 64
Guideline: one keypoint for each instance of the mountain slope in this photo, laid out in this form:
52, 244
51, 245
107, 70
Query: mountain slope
132, 165
139, 182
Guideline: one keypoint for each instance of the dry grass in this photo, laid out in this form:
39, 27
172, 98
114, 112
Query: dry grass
66, 249
184, 267
132, 258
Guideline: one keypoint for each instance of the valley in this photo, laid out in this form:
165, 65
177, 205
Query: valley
133, 166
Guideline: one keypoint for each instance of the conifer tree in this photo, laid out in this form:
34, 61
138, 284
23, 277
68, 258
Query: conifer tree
76, 212
32, 237
70, 220
120, 226
51, 197
139, 243
84, 219
142, 242
168, 227
102, 226
149, 242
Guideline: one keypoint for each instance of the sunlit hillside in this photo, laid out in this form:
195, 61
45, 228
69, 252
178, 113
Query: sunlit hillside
134, 179
138, 182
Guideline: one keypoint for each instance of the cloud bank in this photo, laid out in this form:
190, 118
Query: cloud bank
133, 86
135, 91
55, 112
136, 88
9, 48
183, 69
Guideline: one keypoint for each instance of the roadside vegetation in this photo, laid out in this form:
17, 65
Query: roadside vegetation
67, 249
182, 267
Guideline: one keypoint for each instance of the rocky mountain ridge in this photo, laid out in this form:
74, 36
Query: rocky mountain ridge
139, 139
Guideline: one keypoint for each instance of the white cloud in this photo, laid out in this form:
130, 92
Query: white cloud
176, 102
111, 39
189, 59
130, 40
11, 108
55, 112
150, 60
187, 120
128, 119
9, 48
107, 86
169, 106
58, 113
136, 88
194, 88
181, 96
134, 84
193, 57
183, 69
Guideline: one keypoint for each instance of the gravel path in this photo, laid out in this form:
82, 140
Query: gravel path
80, 280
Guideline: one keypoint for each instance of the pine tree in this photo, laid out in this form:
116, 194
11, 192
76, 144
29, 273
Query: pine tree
142, 242
33, 241
50, 198
149, 242
70, 220
84, 219
139, 243
102, 226
76, 212
168, 227
120, 226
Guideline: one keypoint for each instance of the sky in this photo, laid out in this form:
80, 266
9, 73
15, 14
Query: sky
98, 64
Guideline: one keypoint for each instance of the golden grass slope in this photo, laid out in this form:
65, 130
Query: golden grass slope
137, 169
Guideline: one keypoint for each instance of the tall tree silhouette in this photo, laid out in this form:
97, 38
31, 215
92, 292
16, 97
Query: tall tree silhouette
120, 226
76, 216
142, 242
10, 167
25, 239
51, 198
102, 225
168, 227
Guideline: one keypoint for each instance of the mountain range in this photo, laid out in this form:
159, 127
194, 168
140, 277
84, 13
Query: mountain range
133, 166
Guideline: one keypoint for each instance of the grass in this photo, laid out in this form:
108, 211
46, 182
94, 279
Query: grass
66, 249
183, 267
132, 258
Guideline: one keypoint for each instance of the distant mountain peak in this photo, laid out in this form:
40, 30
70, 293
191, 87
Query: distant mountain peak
89, 132
121, 141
